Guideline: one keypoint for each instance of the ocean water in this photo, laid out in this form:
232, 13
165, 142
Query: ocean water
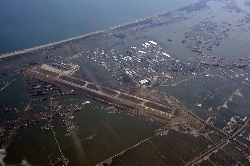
29, 23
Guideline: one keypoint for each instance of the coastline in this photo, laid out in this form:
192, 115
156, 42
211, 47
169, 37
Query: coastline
5, 55
48, 45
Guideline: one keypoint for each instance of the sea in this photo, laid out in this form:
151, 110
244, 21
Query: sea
30, 23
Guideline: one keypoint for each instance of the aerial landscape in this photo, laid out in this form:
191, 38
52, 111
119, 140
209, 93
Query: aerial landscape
170, 87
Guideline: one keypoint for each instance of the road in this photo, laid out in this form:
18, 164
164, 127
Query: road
120, 153
183, 108
220, 144
175, 101
7, 85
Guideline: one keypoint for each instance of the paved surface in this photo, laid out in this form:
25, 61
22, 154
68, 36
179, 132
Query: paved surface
220, 144
224, 141
116, 97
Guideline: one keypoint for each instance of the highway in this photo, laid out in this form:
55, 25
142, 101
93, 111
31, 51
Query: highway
7, 85
142, 104
220, 144
183, 108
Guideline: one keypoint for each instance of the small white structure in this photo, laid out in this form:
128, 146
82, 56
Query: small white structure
143, 81
165, 54
154, 43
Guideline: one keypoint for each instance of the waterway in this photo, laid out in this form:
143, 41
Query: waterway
25, 23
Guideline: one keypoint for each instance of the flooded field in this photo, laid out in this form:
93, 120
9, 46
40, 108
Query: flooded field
164, 149
212, 96
101, 131
98, 74
14, 88
165, 90
99, 136
235, 45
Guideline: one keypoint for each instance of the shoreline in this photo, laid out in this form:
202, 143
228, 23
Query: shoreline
48, 45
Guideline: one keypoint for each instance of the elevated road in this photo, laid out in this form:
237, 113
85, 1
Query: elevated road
186, 110
141, 104
220, 144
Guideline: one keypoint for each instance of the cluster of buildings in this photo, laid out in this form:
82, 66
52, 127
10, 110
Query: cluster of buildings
70, 126
66, 111
12, 126
206, 32
150, 64
47, 127
2, 130
63, 66
147, 63
7, 109
28, 123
